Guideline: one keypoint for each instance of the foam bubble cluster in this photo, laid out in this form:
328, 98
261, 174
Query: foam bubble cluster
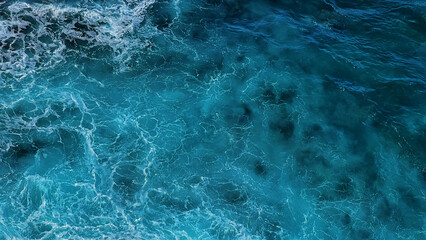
36, 36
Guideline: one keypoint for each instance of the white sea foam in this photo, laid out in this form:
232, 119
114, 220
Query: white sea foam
36, 36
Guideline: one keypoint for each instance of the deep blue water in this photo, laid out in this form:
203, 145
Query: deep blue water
226, 119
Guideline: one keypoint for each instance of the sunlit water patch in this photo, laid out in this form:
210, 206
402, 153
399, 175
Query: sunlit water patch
167, 119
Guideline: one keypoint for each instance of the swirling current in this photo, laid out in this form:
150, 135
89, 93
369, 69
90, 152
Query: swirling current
212, 119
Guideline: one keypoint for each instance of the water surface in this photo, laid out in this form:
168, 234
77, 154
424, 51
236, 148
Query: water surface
155, 119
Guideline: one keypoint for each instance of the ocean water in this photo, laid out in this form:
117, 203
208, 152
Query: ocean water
204, 119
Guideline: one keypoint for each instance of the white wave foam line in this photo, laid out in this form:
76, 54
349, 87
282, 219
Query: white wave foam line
33, 36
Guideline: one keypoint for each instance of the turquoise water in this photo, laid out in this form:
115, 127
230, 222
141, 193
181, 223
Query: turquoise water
155, 119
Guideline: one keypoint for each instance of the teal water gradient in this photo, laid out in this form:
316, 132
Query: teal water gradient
144, 119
